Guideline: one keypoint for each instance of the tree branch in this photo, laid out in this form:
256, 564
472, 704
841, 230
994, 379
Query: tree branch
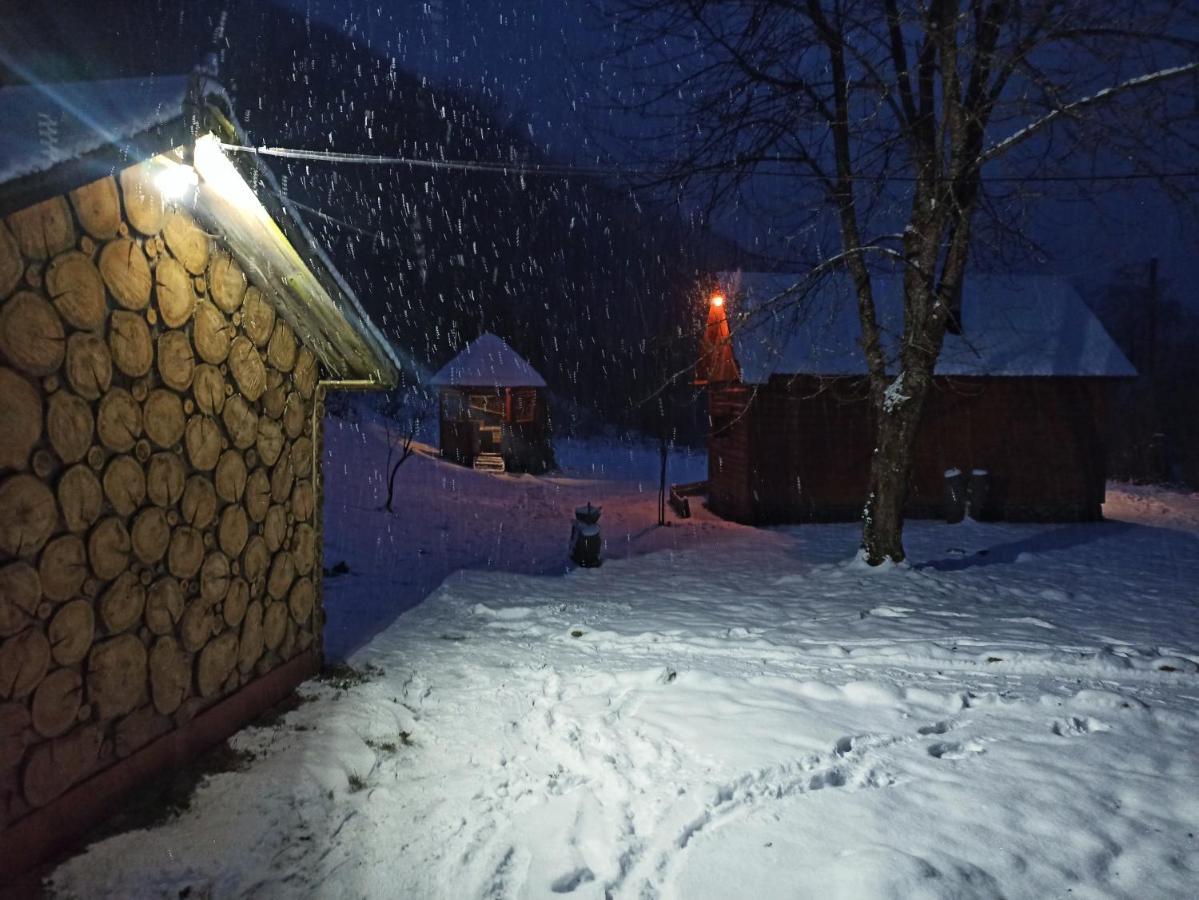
1018, 137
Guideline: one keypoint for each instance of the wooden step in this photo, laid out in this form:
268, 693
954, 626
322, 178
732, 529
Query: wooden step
490, 462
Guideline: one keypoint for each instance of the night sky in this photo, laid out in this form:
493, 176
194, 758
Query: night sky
543, 58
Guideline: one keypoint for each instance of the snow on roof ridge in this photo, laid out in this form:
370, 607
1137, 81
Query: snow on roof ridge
46, 124
488, 361
1014, 325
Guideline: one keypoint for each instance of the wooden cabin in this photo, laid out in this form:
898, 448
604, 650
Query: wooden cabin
492, 409
1020, 395
168, 330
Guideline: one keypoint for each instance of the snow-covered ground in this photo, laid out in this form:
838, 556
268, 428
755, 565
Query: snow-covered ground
716, 712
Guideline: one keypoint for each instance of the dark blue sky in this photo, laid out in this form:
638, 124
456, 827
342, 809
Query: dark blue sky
542, 59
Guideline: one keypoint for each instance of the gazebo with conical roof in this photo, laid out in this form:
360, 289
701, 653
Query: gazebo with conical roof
492, 408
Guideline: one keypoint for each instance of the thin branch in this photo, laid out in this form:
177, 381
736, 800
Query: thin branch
1098, 97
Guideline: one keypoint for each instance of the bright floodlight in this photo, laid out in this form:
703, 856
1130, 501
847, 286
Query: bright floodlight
718, 299
175, 181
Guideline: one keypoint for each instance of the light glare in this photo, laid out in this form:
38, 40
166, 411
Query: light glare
176, 180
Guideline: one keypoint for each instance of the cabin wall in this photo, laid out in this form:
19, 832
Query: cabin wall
159, 514
729, 452
804, 451
526, 446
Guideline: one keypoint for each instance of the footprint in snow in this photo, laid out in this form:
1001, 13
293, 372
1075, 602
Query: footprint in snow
954, 750
935, 728
571, 881
1076, 726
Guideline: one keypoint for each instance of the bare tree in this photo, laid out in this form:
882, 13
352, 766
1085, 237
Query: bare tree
409, 414
902, 130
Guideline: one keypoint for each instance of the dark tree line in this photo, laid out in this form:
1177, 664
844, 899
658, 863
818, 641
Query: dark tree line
570, 270
1155, 417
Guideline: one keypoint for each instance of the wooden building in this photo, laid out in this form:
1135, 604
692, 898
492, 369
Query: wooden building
1019, 395
167, 335
492, 409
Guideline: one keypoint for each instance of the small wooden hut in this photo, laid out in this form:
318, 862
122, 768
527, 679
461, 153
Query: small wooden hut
492, 409
1019, 395
167, 335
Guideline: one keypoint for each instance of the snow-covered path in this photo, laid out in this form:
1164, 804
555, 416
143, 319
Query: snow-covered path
745, 714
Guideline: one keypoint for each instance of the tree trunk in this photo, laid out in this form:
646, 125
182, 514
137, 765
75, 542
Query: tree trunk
900, 412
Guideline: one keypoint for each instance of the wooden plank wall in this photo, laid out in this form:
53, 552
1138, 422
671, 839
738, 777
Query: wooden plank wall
802, 450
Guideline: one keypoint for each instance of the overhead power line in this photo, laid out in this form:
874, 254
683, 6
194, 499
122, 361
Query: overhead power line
566, 170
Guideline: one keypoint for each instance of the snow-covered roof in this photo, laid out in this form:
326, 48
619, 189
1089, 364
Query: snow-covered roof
48, 124
1012, 326
488, 361
56, 136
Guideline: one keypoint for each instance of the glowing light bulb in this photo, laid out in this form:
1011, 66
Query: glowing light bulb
718, 299
175, 181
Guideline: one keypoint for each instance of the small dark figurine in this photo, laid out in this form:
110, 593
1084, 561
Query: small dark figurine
585, 542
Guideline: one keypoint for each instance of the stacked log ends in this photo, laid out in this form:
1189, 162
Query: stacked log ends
241, 422
12, 267
72, 631
258, 494
227, 282
144, 207
98, 208
251, 638
199, 502
258, 316
306, 375
32, 338
69, 426
165, 479
217, 661
63, 568
255, 562
170, 674
56, 702
164, 605
176, 361
20, 419
274, 625
119, 420
236, 602
230, 476
116, 675
281, 351
163, 416
88, 365
247, 368
80, 498
208, 387
159, 544
203, 440
121, 606
130, 343
30, 515
20, 594
124, 484
300, 600
186, 241
173, 291
211, 334
126, 271
108, 548
77, 290
43, 229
